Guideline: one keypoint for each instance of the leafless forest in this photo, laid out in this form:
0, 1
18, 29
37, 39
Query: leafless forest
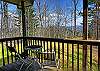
50, 19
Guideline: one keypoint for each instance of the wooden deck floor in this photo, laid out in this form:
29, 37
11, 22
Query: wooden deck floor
51, 69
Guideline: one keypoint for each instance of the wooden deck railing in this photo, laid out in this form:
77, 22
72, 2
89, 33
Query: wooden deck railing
75, 55
6, 57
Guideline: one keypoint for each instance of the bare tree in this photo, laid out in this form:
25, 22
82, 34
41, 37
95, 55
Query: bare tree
44, 17
39, 15
1, 6
75, 2
97, 18
72, 22
4, 25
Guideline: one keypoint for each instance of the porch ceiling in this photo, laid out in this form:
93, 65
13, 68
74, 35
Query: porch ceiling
18, 2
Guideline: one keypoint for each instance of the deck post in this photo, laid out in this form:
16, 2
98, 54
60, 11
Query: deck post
23, 26
99, 58
23, 19
85, 33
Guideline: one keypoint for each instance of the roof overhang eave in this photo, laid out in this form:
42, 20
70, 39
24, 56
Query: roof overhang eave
18, 2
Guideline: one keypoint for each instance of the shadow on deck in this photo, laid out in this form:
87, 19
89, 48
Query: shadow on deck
35, 66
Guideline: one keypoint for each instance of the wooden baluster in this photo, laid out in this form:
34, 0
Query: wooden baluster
3, 54
72, 57
90, 57
67, 55
77, 57
63, 54
7, 52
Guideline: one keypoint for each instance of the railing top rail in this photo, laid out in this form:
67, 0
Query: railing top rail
88, 42
72, 41
10, 39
